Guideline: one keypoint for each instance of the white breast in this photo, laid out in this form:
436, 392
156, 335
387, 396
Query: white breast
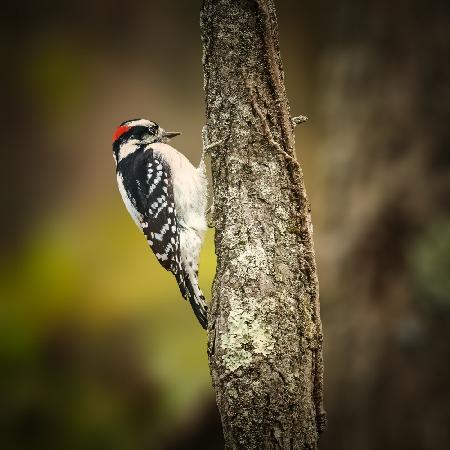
189, 187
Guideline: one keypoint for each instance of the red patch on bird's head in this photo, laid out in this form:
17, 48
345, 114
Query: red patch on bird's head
121, 130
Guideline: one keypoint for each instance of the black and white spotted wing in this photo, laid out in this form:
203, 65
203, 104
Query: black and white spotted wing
148, 186
159, 222
161, 228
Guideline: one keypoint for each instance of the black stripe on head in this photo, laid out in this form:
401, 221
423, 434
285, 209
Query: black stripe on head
141, 132
138, 132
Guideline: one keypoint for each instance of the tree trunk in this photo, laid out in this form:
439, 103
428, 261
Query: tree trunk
265, 336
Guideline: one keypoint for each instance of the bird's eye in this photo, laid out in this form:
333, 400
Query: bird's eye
153, 130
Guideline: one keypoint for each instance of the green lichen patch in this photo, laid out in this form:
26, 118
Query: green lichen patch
247, 335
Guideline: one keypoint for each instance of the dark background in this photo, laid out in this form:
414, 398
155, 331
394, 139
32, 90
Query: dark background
97, 350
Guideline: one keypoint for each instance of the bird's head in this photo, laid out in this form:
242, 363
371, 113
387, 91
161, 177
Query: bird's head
135, 132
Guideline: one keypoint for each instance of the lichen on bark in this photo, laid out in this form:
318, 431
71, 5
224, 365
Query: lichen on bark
265, 336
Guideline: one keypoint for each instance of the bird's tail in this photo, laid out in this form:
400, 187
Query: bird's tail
190, 290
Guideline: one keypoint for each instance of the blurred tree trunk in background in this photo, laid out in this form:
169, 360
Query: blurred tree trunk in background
386, 107
265, 336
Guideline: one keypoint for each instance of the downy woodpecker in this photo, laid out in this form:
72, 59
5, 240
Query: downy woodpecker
166, 197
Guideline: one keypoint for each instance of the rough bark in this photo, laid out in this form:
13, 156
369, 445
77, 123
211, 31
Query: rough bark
265, 336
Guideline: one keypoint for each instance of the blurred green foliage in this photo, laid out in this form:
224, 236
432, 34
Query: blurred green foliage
430, 261
57, 75
95, 339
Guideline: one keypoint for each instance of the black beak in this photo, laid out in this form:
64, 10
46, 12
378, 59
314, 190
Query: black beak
170, 134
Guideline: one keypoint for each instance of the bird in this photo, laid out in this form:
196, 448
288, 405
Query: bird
166, 196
